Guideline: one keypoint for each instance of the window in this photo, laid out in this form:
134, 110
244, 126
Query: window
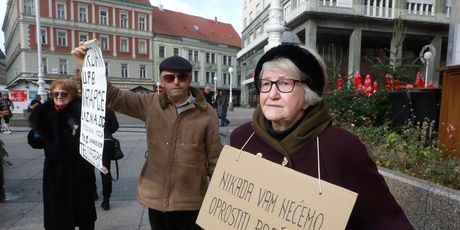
195, 76
124, 70
104, 42
44, 65
213, 58
224, 78
208, 58
83, 37
161, 51
142, 46
124, 45
62, 66
229, 60
142, 23
83, 14
29, 7
44, 35
176, 51
195, 56
142, 72
62, 38
208, 77
60, 10
124, 20
106, 69
103, 17
190, 55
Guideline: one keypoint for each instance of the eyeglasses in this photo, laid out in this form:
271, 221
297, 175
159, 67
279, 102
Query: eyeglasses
60, 93
283, 85
182, 77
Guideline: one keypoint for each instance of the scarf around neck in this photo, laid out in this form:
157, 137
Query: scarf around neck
315, 120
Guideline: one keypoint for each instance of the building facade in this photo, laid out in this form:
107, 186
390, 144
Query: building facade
124, 29
348, 33
210, 46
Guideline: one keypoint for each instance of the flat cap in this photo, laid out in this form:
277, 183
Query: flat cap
176, 63
309, 64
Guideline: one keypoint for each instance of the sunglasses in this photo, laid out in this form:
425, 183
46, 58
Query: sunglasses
182, 77
61, 94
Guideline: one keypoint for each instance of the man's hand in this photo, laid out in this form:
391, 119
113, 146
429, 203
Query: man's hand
79, 53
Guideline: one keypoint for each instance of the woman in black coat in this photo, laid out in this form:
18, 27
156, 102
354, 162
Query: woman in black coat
68, 179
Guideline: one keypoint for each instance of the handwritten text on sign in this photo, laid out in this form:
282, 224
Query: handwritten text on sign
93, 95
254, 193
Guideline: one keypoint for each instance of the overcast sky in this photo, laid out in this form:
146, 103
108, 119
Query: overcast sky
225, 11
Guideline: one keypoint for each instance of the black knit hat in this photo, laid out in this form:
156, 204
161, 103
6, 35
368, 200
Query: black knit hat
176, 63
304, 60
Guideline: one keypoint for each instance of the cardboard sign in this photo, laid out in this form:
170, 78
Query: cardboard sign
249, 192
93, 96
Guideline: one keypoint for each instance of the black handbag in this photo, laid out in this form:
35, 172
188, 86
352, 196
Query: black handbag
117, 154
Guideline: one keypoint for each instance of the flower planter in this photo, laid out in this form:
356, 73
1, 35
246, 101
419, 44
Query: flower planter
427, 205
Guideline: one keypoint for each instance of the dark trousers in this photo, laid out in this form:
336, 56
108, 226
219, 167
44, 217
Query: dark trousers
176, 220
106, 161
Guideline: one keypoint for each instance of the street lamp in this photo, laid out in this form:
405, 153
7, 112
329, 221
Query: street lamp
427, 55
230, 101
41, 82
158, 87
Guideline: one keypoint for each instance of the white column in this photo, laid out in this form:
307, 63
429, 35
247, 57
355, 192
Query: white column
72, 33
133, 25
93, 12
453, 55
374, 6
275, 25
134, 47
52, 38
368, 8
381, 8
114, 41
114, 23
50, 9
393, 8
71, 12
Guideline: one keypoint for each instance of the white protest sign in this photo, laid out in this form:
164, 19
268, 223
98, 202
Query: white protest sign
249, 192
93, 95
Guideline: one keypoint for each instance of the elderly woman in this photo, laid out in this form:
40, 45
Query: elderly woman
68, 179
292, 120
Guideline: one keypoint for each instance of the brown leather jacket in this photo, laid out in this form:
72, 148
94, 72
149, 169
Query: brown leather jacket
182, 149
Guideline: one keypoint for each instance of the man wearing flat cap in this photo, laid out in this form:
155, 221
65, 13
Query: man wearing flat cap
183, 144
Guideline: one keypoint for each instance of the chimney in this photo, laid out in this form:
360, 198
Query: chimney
161, 7
215, 19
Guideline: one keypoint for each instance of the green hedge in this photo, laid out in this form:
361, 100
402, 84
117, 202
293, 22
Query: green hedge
408, 148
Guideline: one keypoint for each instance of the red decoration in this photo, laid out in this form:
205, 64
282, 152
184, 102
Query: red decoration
368, 85
357, 85
339, 83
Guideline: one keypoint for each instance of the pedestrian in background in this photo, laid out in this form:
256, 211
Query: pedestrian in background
292, 127
208, 95
183, 143
222, 106
6, 106
34, 103
68, 179
111, 126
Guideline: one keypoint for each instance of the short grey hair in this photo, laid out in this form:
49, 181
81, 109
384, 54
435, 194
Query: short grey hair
311, 97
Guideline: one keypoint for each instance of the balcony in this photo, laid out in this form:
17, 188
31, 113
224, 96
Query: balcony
366, 11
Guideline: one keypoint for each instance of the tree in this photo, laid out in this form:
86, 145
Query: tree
392, 62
